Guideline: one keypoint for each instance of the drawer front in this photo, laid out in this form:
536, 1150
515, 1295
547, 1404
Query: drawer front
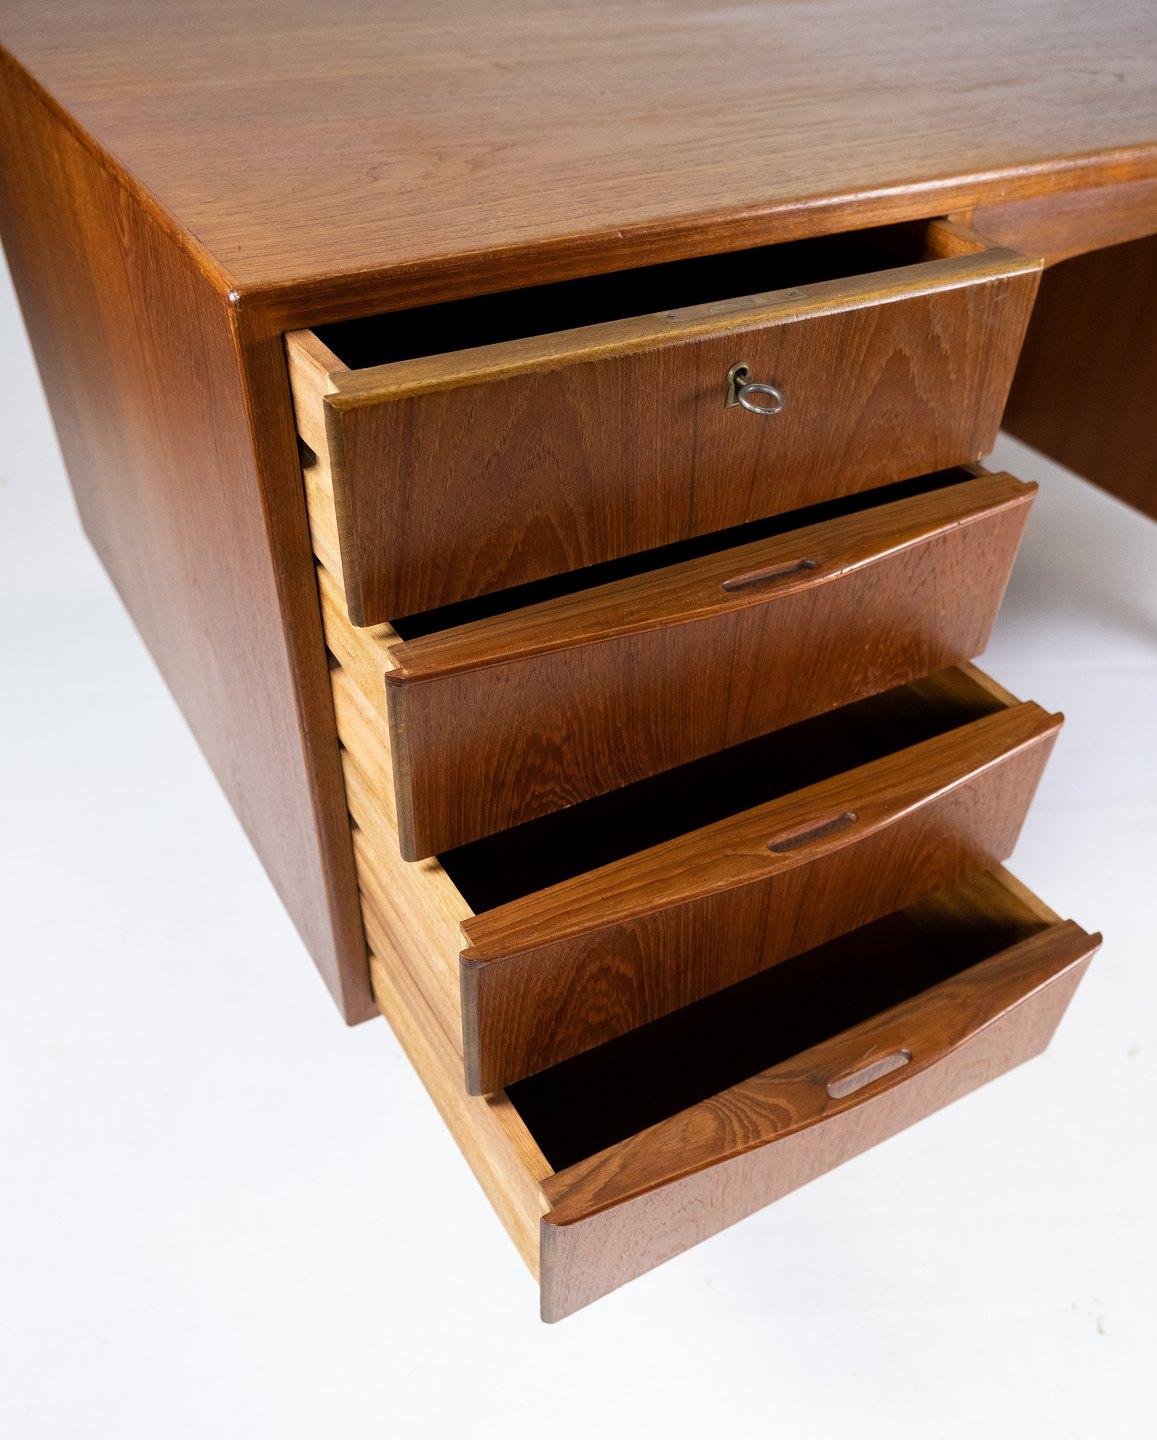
628, 1160
641, 1201
460, 474
568, 967
505, 719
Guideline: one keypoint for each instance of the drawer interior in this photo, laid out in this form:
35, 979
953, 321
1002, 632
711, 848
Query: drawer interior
505, 866
607, 1094
596, 299
644, 562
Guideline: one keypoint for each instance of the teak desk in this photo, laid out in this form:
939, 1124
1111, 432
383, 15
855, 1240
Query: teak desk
539, 444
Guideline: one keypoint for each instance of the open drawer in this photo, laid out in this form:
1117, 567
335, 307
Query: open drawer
609, 1164
477, 445
508, 707
543, 941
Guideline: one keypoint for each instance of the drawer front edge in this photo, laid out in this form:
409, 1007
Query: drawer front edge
586, 1257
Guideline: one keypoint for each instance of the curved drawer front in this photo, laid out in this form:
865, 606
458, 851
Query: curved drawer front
571, 966
503, 719
657, 1193
618, 1160
543, 941
462, 473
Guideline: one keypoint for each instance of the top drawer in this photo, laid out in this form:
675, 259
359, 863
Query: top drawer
476, 445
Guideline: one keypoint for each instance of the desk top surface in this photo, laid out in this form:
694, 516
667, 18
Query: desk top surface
303, 143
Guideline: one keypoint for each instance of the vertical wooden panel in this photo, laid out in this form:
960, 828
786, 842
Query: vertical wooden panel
1084, 390
169, 416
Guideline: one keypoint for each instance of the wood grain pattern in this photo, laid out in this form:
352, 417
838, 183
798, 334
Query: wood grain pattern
495, 1143
608, 1218
174, 422
500, 720
725, 579
311, 364
419, 904
569, 967
322, 534
626, 1210
153, 167
386, 936
1057, 227
171, 123
363, 654
325, 156
468, 473
359, 728
1084, 389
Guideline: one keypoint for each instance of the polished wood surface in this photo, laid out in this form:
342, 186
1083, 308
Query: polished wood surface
315, 152
181, 185
725, 579
999, 968
1086, 385
572, 966
659, 909
502, 719
419, 904
179, 126
497, 1145
648, 1198
1057, 227
154, 387
473, 471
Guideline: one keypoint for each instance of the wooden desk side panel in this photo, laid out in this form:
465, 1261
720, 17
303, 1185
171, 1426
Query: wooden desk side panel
1084, 389
157, 394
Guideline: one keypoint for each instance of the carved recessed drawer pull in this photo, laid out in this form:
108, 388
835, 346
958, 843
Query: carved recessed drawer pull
819, 831
873, 1070
768, 574
552, 680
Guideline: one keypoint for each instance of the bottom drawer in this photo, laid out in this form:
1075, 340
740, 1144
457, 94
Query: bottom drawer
622, 1157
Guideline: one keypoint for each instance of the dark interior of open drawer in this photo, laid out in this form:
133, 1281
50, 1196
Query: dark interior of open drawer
502, 867
594, 299
607, 1094
643, 562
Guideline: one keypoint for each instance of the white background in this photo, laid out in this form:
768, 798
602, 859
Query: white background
224, 1214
